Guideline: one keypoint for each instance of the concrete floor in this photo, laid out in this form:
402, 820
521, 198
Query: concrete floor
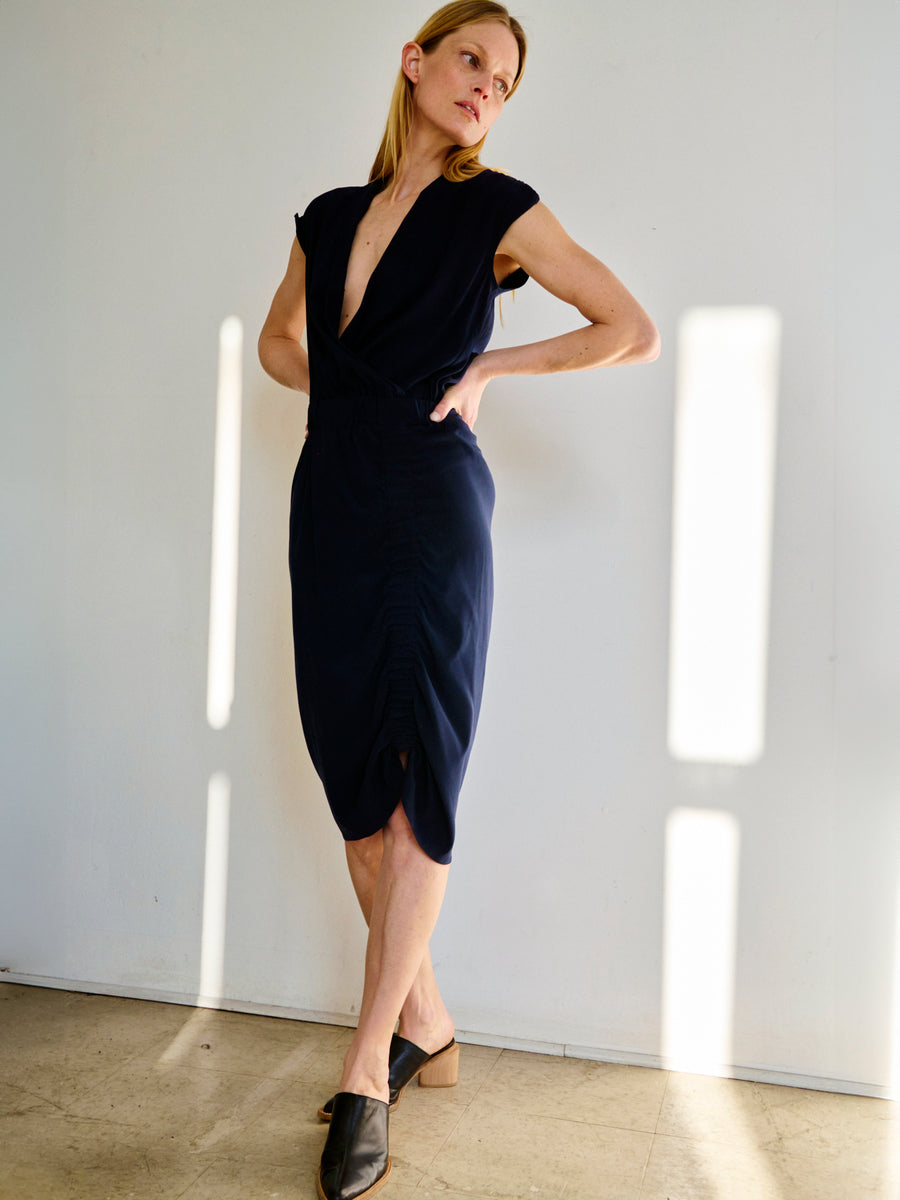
110, 1098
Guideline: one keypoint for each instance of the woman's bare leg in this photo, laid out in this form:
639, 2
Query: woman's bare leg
424, 1018
404, 908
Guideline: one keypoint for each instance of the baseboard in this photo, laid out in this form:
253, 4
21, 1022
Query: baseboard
629, 1058
189, 999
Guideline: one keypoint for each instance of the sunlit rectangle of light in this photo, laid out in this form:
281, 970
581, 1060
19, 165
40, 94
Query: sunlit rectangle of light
215, 889
701, 897
226, 515
722, 521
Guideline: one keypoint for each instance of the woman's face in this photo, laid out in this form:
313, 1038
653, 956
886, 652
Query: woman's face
461, 86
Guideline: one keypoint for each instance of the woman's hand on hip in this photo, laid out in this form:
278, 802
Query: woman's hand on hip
464, 396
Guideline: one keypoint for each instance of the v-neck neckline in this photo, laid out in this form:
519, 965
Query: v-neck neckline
370, 191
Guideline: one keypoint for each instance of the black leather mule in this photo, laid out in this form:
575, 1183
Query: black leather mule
355, 1162
406, 1061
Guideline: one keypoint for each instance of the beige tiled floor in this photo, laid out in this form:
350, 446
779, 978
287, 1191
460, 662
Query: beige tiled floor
102, 1099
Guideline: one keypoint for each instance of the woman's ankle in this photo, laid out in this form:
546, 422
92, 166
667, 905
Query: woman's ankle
430, 1033
362, 1084
365, 1073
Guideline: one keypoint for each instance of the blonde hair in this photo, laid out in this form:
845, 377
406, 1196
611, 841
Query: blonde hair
462, 162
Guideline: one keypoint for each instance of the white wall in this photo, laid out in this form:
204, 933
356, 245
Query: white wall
712, 154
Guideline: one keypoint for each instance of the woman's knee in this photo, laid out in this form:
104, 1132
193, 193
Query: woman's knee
366, 851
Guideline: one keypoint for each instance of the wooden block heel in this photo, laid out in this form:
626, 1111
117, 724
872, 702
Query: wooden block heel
442, 1070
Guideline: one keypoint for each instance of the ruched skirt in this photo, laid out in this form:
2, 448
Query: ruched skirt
392, 591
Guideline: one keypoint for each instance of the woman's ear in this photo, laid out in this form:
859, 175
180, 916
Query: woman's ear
410, 58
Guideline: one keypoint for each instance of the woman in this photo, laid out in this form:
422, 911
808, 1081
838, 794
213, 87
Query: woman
391, 505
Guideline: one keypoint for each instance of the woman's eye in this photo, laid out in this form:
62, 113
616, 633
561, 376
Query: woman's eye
470, 58
501, 87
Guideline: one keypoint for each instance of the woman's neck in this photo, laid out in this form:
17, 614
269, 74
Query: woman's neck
422, 162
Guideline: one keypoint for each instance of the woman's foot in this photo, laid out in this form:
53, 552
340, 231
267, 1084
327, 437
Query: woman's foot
440, 1069
355, 1162
430, 1037
408, 1061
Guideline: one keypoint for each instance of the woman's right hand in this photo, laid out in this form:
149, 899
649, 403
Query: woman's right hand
465, 394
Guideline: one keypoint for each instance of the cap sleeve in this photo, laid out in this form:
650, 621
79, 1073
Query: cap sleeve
518, 198
301, 225
512, 198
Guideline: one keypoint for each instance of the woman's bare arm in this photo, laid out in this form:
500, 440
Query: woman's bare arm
620, 331
280, 351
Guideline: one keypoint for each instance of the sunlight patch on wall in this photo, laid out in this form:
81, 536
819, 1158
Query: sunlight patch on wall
222, 638
215, 889
722, 522
225, 529
701, 897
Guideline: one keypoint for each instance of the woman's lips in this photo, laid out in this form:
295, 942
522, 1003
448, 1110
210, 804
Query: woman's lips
468, 108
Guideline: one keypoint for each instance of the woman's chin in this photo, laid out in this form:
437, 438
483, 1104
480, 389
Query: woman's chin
472, 137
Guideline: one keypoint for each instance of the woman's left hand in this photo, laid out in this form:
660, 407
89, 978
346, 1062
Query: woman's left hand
464, 396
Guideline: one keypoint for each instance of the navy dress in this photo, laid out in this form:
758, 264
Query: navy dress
390, 532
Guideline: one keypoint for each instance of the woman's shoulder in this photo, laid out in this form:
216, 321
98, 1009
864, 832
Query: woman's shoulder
326, 211
335, 198
504, 185
500, 198
503, 194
